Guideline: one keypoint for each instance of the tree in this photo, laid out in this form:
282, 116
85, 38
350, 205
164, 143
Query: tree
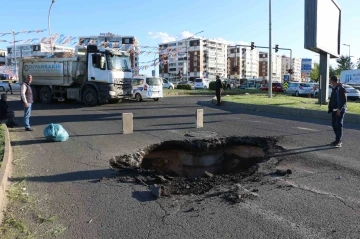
315, 73
344, 63
358, 64
332, 72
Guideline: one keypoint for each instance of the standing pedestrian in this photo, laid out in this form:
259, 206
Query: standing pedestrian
27, 99
228, 83
218, 88
10, 85
337, 109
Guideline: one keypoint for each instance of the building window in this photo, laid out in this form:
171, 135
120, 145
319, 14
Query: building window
195, 63
195, 53
195, 69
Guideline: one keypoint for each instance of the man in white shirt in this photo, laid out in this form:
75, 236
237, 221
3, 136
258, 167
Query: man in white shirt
27, 99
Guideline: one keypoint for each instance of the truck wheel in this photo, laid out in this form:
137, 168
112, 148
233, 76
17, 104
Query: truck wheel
115, 101
35, 93
90, 97
138, 97
45, 95
2, 88
156, 99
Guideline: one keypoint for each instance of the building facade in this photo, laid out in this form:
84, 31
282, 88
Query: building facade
192, 58
276, 65
14, 54
245, 61
109, 40
2, 57
295, 65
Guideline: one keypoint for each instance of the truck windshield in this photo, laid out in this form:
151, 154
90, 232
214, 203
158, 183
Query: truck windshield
121, 63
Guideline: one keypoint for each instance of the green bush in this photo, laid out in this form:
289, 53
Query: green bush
212, 85
183, 87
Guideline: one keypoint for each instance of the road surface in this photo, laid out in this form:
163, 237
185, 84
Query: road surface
320, 199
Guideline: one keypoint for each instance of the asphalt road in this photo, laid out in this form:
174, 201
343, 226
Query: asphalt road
321, 199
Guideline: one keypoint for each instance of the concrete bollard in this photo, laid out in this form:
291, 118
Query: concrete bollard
199, 118
127, 123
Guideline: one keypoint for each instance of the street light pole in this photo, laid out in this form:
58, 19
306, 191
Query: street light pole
270, 55
187, 53
349, 49
14, 52
52, 51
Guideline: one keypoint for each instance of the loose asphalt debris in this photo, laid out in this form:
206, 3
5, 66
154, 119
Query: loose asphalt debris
165, 185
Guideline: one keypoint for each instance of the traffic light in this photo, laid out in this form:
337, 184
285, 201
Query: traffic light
252, 45
276, 48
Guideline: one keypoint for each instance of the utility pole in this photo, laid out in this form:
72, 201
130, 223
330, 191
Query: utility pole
52, 50
14, 52
270, 55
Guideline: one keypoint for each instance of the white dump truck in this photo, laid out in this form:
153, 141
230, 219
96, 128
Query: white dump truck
90, 76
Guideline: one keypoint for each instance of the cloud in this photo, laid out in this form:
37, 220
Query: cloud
166, 37
163, 36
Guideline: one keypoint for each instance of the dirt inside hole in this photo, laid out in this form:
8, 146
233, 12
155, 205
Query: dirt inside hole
194, 166
190, 164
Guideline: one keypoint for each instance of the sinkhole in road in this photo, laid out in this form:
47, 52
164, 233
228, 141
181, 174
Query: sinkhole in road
197, 165
201, 158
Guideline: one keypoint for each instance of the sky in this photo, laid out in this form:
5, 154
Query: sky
156, 21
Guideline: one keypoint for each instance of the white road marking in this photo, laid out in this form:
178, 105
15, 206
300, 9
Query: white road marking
306, 129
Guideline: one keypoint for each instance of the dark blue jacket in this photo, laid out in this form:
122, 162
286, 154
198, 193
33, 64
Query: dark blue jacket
338, 99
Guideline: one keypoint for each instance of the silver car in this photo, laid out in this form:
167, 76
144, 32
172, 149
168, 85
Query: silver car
298, 89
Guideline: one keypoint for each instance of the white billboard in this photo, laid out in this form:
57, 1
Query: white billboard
323, 26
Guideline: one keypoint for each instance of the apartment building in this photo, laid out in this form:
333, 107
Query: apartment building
193, 58
295, 65
2, 57
276, 65
110, 40
14, 54
246, 61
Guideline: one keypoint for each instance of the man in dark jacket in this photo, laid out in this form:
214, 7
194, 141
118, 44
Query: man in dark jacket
337, 109
5, 114
218, 89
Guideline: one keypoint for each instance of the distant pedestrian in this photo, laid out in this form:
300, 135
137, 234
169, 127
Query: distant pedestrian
218, 88
27, 99
337, 109
228, 84
5, 114
10, 85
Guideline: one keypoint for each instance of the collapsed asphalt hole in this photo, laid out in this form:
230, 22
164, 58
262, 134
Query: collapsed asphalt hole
194, 166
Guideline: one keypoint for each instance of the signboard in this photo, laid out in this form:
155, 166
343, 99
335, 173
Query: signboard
286, 78
43, 69
306, 65
323, 27
350, 77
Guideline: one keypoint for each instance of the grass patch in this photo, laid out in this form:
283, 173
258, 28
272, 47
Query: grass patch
234, 91
2, 144
288, 102
17, 193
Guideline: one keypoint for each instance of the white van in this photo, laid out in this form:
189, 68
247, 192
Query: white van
146, 87
201, 83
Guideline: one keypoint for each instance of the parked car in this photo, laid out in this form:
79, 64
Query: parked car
187, 83
144, 87
351, 92
201, 83
4, 85
167, 84
298, 89
276, 87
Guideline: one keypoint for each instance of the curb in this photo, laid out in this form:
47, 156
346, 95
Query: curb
5, 171
350, 118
